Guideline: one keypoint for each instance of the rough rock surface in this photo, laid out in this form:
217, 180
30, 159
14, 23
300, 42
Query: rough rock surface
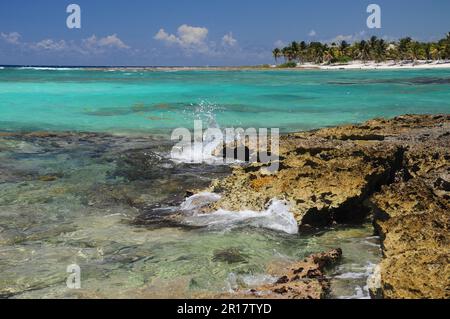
397, 169
302, 280
413, 217
322, 183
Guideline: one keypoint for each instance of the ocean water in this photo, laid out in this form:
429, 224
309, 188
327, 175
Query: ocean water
104, 203
147, 101
107, 202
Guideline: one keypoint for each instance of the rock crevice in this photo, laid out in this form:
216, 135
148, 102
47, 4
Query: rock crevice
397, 171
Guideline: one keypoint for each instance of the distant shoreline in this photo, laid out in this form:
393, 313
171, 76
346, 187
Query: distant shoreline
356, 65
389, 65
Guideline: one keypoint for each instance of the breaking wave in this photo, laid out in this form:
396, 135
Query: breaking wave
276, 216
46, 68
204, 111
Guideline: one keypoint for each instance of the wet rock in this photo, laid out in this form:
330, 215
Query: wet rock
395, 170
49, 178
160, 217
321, 186
142, 165
230, 256
301, 280
10, 174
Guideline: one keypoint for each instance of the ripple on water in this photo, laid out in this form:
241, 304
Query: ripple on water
85, 216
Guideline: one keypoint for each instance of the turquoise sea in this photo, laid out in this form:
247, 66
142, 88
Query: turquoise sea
146, 101
107, 202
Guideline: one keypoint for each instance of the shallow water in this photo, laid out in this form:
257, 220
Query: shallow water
74, 200
129, 101
110, 203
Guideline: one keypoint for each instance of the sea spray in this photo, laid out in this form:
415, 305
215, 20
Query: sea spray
198, 201
276, 216
201, 151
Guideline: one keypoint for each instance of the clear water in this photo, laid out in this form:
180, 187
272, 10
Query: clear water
74, 199
86, 215
126, 101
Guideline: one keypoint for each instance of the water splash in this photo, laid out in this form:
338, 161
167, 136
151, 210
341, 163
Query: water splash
205, 112
276, 217
198, 201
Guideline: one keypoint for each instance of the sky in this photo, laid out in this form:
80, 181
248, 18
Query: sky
198, 32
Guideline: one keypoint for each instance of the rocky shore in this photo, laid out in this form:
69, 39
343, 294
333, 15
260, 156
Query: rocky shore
302, 280
126, 199
395, 172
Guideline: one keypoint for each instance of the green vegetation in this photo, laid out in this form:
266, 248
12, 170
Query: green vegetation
290, 64
374, 49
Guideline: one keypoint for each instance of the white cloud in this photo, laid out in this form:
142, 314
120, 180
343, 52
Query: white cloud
12, 37
189, 38
192, 40
312, 33
192, 35
164, 36
50, 45
91, 45
110, 41
228, 40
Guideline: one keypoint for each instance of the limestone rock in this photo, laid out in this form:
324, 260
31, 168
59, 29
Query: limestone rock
398, 170
301, 280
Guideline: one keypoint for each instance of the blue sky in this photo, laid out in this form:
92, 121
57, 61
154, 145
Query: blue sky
198, 32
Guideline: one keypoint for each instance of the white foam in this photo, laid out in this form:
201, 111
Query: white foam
276, 217
258, 280
351, 275
199, 200
249, 281
202, 152
46, 68
360, 292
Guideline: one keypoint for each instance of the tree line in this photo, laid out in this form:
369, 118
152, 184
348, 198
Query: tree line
374, 49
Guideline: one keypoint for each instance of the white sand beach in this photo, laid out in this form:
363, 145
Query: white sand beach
359, 65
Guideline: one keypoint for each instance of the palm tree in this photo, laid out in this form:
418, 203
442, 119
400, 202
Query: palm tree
437, 52
343, 46
317, 51
404, 47
380, 50
364, 50
447, 46
373, 44
276, 54
295, 47
287, 54
415, 51
392, 52
372, 49
329, 54
303, 49
427, 48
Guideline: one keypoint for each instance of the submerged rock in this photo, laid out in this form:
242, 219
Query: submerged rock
395, 170
301, 280
230, 256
